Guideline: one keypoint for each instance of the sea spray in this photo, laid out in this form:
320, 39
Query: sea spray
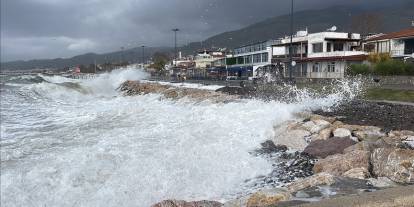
63, 147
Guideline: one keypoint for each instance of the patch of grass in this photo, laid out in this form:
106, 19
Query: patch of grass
390, 94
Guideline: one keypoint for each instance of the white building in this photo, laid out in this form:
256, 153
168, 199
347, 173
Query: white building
204, 59
319, 55
250, 57
399, 44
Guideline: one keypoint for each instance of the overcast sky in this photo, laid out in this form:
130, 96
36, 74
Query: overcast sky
33, 29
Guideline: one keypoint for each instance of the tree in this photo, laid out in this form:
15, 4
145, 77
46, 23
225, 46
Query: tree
159, 61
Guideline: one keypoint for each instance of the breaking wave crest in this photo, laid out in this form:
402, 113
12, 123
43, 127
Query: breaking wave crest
81, 143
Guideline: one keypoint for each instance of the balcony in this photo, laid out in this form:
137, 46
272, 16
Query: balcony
336, 54
402, 53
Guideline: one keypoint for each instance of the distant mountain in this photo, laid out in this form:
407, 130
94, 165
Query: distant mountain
131, 55
375, 18
378, 18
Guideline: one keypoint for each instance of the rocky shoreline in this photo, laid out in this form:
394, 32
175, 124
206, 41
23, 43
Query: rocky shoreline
350, 151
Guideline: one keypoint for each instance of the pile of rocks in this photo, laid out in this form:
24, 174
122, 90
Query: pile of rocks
132, 88
330, 153
344, 153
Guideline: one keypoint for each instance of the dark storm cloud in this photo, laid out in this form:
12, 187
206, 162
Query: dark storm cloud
62, 28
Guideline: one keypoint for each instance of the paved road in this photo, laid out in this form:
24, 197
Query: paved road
392, 197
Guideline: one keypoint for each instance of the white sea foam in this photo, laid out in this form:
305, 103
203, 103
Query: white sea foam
63, 146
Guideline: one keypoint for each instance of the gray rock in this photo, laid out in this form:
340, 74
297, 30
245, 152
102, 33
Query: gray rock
324, 148
381, 182
394, 163
295, 139
342, 133
345, 164
179, 203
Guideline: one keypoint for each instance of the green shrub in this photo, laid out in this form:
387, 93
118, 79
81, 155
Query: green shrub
360, 69
394, 67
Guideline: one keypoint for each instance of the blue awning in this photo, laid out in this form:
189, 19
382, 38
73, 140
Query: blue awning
242, 69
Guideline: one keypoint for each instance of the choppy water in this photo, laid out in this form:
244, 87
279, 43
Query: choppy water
81, 143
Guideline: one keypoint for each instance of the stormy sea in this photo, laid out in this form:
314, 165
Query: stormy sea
70, 142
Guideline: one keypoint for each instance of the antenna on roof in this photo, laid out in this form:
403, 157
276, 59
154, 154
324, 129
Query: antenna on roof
332, 29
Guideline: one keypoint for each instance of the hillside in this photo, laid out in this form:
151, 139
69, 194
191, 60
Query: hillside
131, 55
345, 18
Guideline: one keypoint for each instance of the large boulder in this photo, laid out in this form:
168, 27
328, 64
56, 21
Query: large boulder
267, 198
316, 117
345, 164
316, 126
401, 134
178, 203
323, 135
295, 139
369, 133
369, 145
394, 163
342, 133
315, 180
324, 148
381, 182
358, 173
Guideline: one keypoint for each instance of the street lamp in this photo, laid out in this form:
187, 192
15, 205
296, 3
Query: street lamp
175, 44
143, 55
291, 63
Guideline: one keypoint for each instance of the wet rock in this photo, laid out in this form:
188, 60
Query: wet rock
351, 127
341, 163
316, 126
291, 203
371, 133
342, 133
267, 198
324, 134
294, 139
358, 173
178, 203
315, 117
404, 134
394, 163
289, 167
315, 180
381, 182
269, 147
324, 148
232, 90
409, 142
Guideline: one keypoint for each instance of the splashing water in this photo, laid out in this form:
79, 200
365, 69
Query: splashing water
71, 142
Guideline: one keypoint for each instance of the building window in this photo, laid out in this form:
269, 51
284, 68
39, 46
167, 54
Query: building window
265, 57
247, 59
317, 47
329, 47
338, 46
315, 68
331, 67
256, 58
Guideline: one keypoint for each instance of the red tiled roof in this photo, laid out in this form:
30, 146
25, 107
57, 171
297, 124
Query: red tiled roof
400, 34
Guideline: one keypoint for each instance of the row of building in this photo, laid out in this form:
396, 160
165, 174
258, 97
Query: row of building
322, 55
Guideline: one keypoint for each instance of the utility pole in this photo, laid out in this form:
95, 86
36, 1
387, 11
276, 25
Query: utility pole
143, 55
291, 44
175, 44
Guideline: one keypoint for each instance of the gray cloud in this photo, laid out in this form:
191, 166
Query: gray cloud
63, 28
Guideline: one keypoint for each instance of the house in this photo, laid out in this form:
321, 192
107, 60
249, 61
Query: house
248, 58
323, 55
400, 45
205, 58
